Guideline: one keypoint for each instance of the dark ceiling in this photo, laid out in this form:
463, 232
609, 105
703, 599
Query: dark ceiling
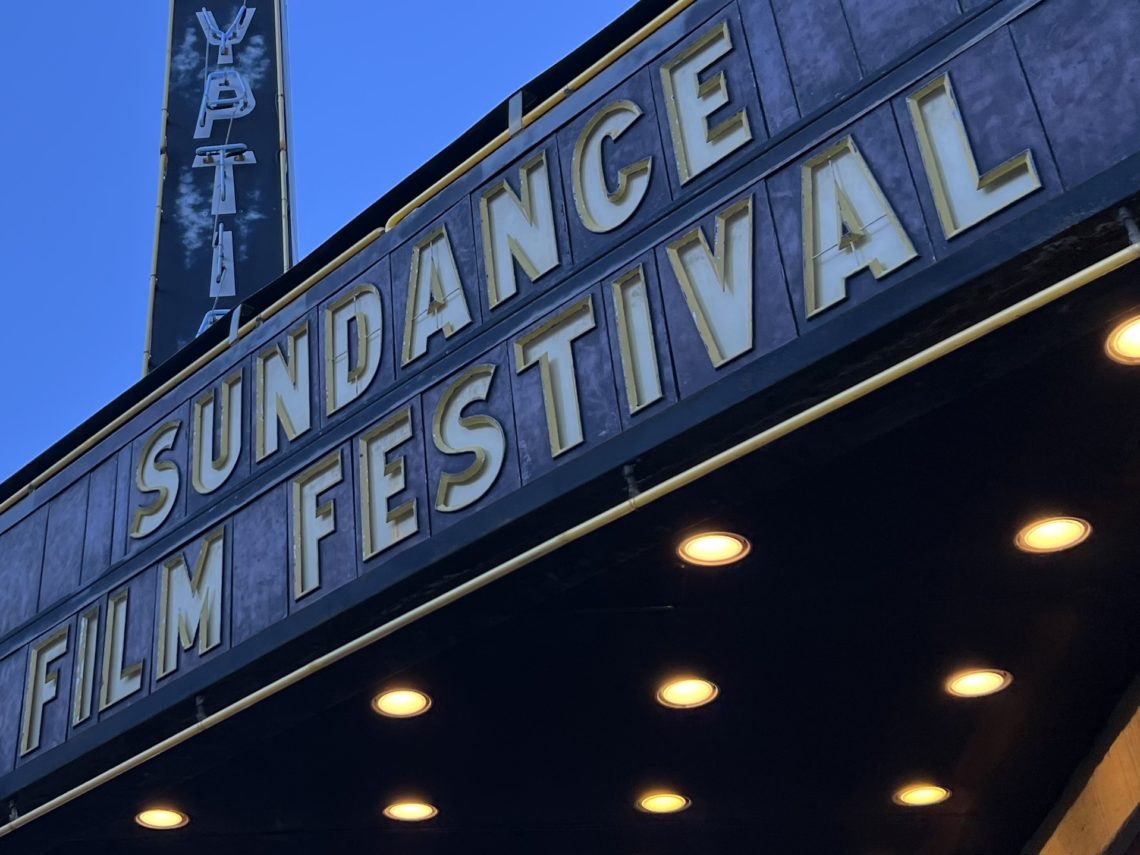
883, 560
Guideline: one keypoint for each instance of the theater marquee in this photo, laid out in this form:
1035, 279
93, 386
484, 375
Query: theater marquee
646, 240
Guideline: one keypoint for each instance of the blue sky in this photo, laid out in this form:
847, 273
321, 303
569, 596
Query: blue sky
80, 149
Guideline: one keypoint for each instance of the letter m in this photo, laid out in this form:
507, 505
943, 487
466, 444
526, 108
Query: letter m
190, 606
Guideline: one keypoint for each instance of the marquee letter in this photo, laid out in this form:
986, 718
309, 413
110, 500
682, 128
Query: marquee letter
190, 608
436, 302
119, 680
209, 468
156, 476
518, 229
224, 158
348, 375
718, 284
43, 686
312, 522
381, 478
455, 433
962, 196
83, 687
283, 391
224, 40
635, 337
848, 225
690, 102
237, 102
602, 211
550, 345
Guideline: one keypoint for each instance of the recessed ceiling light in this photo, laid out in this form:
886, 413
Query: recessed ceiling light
921, 795
162, 819
714, 548
687, 693
401, 703
1123, 343
1052, 534
663, 803
978, 682
410, 811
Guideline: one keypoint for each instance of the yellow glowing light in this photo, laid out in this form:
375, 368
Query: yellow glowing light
410, 811
401, 703
714, 548
1052, 534
978, 682
663, 803
921, 795
687, 693
162, 818
1123, 343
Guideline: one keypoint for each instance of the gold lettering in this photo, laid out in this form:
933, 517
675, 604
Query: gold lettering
550, 345
962, 196
518, 228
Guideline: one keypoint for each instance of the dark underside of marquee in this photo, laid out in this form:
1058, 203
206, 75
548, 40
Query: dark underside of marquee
883, 559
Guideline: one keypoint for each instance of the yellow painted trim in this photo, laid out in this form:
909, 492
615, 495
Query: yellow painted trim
659, 491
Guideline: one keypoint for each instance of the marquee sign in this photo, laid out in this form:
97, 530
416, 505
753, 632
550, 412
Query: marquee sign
224, 224
659, 234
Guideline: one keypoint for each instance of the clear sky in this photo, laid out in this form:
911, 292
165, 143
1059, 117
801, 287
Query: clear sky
378, 87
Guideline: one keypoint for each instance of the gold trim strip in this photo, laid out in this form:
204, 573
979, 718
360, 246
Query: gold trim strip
766, 437
216, 350
542, 109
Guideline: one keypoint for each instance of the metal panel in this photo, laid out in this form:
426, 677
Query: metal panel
224, 229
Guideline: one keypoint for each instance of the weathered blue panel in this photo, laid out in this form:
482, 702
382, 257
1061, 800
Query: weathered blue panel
461, 236
640, 141
311, 322
498, 406
142, 607
413, 456
877, 137
196, 501
179, 455
378, 274
21, 562
884, 30
63, 557
818, 48
11, 700
339, 551
57, 712
1001, 122
768, 64
1084, 69
190, 659
597, 398
261, 564
554, 169
99, 529
648, 265
741, 85
772, 320
124, 481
